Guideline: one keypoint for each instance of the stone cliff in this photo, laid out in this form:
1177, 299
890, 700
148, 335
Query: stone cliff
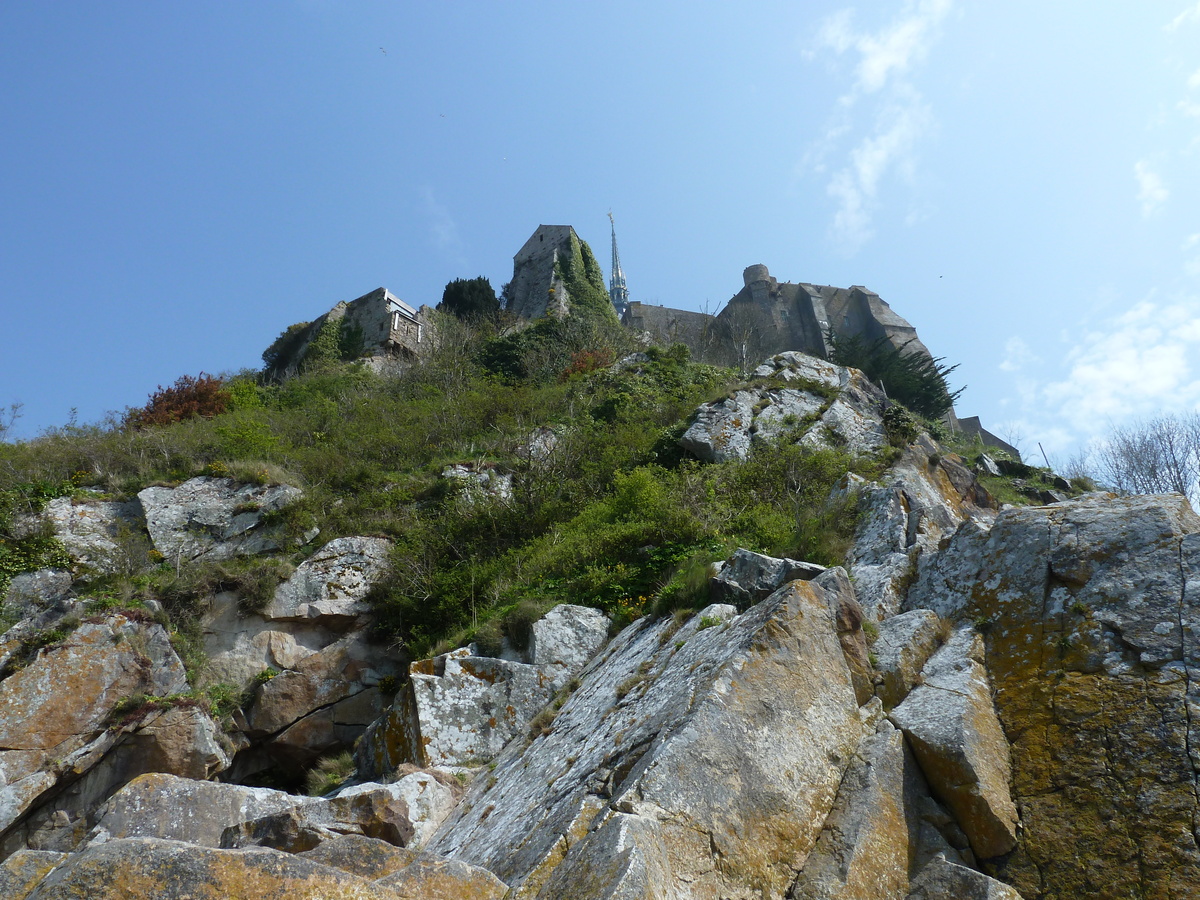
984, 701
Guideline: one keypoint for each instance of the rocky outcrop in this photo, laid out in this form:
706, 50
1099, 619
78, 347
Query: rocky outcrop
311, 652
629, 760
878, 833
328, 588
436, 878
952, 726
923, 499
55, 717
21, 872
478, 483
943, 878
455, 710
460, 709
1089, 610
903, 646
184, 809
748, 577
214, 518
96, 533
564, 639
403, 814
147, 867
32, 592
829, 406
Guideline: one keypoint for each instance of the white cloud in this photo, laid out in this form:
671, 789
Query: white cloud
1188, 108
1140, 363
1152, 193
856, 185
1191, 14
898, 120
896, 47
1194, 81
1017, 356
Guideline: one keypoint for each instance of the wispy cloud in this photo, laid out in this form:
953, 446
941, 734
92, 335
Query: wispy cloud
1139, 363
897, 113
1191, 14
1194, 81
1152, 193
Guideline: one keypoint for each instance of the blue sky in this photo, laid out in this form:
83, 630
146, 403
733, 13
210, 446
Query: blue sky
181, 181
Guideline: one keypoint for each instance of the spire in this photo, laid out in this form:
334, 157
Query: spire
616, 284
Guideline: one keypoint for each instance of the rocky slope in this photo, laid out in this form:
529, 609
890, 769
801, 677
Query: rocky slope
985, 702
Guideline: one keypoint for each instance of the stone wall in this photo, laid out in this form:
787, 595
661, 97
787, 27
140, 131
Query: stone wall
389, 329
668, 326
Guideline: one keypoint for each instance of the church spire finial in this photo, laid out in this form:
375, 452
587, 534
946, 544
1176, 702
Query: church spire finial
616, 284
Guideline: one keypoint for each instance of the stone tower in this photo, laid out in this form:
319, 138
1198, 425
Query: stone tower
536, 289
616, 285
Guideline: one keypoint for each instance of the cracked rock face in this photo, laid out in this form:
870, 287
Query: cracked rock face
1090, 610
629, 761
459, 709
59, 755
214, 518
956, 737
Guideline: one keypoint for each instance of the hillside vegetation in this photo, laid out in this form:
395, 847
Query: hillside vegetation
613, 514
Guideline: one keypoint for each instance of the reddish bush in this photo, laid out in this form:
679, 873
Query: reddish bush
188, 397
587, 361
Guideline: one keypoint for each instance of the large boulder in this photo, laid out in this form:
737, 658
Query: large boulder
627, 766
564, 639
430, 877
55, 710
30, 592
404, 814
20, 873
184, 809
456, 709
942, 879
951, 723
748, 577
330, 585
214, 518
1089, 610
137, 868
410, 874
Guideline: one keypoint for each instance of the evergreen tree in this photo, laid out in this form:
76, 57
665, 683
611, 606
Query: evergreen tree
914, 379
470, 298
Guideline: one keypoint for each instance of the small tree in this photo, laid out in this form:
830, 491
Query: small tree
470, 299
